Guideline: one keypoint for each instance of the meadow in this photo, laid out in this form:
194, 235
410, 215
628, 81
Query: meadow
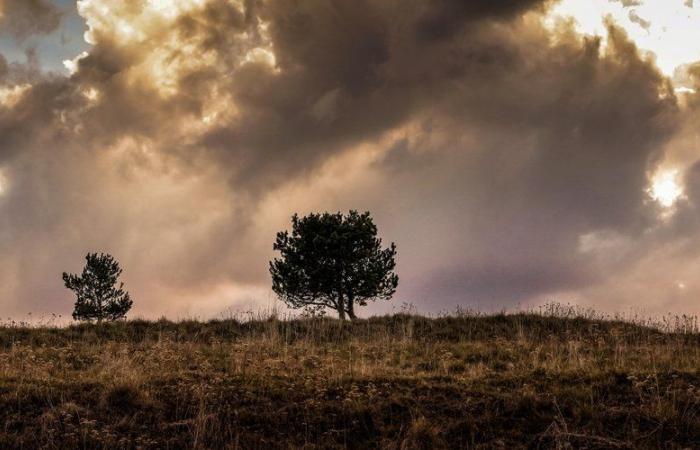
554, 378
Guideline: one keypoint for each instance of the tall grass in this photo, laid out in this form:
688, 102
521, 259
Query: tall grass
555, 377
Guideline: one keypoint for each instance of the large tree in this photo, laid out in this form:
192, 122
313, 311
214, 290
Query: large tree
97, 295
333, 261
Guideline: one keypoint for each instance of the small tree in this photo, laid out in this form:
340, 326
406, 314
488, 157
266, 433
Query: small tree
97, 297
333, 261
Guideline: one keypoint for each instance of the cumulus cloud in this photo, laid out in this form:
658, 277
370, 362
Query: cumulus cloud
509, 160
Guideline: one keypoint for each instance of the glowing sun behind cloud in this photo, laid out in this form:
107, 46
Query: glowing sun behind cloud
665, 188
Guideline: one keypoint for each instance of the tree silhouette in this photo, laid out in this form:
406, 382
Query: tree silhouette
333, 261
97, 297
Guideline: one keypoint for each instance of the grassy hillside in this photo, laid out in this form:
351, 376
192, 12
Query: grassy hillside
402, 382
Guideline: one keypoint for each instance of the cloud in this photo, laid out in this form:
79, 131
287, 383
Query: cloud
629, 3
508, 160
23, 18
635, 18
4, 69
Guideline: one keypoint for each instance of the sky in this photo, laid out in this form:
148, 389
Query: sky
518, 152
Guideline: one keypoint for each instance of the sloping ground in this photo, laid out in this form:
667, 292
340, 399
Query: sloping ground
404, 382
400, 326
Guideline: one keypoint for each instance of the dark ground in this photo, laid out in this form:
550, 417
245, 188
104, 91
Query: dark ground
402, 382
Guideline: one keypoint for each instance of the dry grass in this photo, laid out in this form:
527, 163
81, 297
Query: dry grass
552, 379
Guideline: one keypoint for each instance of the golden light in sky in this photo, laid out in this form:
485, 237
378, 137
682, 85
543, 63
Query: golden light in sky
665, 188
668, 28
667, 31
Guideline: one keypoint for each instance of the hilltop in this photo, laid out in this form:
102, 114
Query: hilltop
404, 381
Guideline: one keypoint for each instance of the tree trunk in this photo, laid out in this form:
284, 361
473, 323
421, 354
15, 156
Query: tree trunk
341, 307
351, 308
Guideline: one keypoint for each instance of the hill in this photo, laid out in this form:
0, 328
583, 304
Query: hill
401, 382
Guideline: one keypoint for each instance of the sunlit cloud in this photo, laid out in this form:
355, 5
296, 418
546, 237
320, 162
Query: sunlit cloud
71, 65
668, 29
9, 96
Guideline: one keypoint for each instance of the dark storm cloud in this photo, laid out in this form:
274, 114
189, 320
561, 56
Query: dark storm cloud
554, 147
500, 146
580, 127
23, 18
443, 18
348, 71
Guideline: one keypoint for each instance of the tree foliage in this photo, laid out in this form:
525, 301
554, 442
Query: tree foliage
97, 295
333, 261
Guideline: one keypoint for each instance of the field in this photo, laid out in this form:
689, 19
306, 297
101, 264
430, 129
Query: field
527, 380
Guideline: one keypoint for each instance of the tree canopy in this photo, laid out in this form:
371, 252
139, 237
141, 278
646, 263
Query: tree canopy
97, 295
333, 261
